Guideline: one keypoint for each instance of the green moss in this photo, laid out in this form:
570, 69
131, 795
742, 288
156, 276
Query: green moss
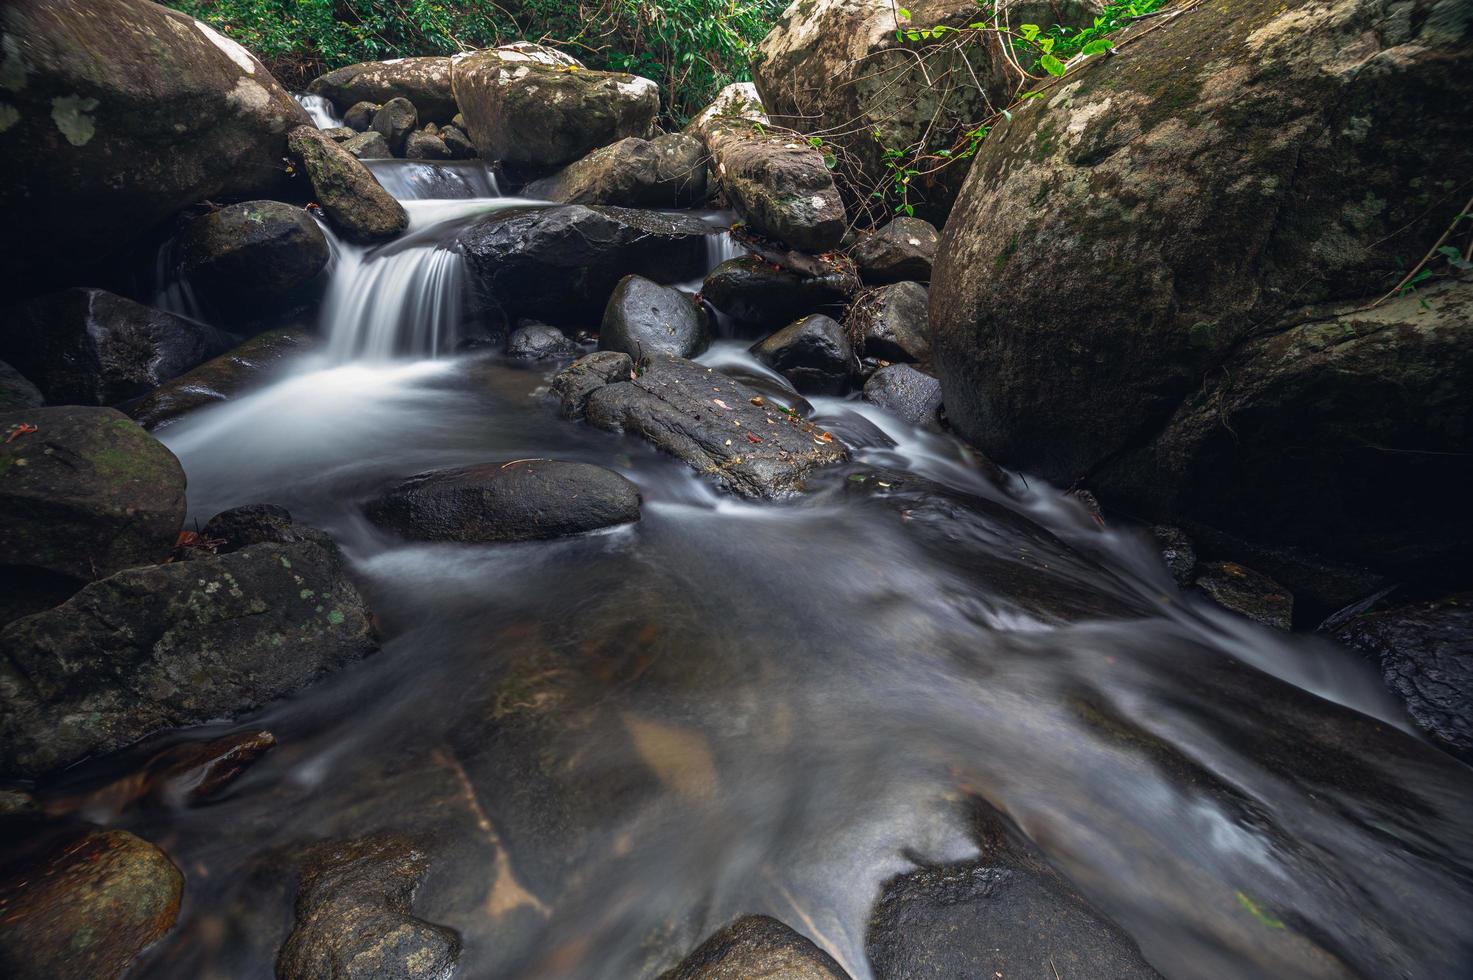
1006, 255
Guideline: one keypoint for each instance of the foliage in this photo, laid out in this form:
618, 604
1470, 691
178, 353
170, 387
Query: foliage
692, 47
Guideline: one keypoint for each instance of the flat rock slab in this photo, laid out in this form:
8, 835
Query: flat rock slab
723, 428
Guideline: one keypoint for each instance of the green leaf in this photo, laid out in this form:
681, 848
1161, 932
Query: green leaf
1028, 31
1258, 913
1052, 65
904, 14
815, 141
1099, 46
1046, 45
830, 161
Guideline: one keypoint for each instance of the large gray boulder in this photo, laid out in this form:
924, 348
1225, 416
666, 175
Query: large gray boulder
355, 203
176, 644
256, 255
891, 323
92, 347
666, 172
837, 68
644, 317
394, 121
779, 184
739, 100
114, 114
562, 263
725, 429
1291, 160
901, 251
86, 494
423, 81
911, 394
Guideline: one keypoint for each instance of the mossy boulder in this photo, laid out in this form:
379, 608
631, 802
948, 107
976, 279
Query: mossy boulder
666, 172
86, 494
114, 114
423, 81
779, 184
355, 203
174, 644
254, 256
1123, 241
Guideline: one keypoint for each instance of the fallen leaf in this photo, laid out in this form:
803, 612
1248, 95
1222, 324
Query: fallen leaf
25, 428
753, 438
723, 404
757, 400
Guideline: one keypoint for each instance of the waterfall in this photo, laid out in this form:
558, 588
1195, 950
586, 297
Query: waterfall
324, 114
408, 300
420, 180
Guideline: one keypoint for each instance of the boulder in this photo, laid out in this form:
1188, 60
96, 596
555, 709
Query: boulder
82, 907
1425, 654
813, 353
538, 117
840, 68
1178, 553
778, 183
423, 146
395, 121
1247, 592
521, 500
536, 341
757, 946
240, 527
175, 644
256, 255
223, 378
1290, 159
116, 114
725, 429
16, 391
92, 347
351, 197
892, 323
354, 918
737, 101
457, 143
902, 250
86, 494
912, 395
339, 133
646, 318
665, 172
423, 81
368, 146
359, 116
563, 262
756, 293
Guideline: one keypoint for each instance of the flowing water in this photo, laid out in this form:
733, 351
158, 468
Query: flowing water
612, 744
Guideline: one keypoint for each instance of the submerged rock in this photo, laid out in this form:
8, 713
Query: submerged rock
254, 255
563, 262
351, 197
911, 394
1425, 654
1247, 592
756, 293
901, 251
225, 377
92, 347
779, 184
757, 946
117, 114
666, 172
720, 426
83, 908
354, 918
86, 494
813, 353
194, 772
522, 500
175, 644
423, 81
395, 120
891, 323
537, 116
536, 341
646, 318
16, 391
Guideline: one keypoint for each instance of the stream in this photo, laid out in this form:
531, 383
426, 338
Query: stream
612, 744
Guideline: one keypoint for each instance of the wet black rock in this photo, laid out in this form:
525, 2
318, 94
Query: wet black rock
643, 317
252, 256
756, 293
222, 378
83, 907
86, 494
725, 429
16, 391
92, 347
666, 172
354, 918
521, 500
395, 121
813, 353
535, 341
1425, 654
368, 146
1177, 551
562, 262
913, 395
175, 644
1247, 592
899, 252
360, 116
423, 146
890, 323
457, 143
240, 527
757, 946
